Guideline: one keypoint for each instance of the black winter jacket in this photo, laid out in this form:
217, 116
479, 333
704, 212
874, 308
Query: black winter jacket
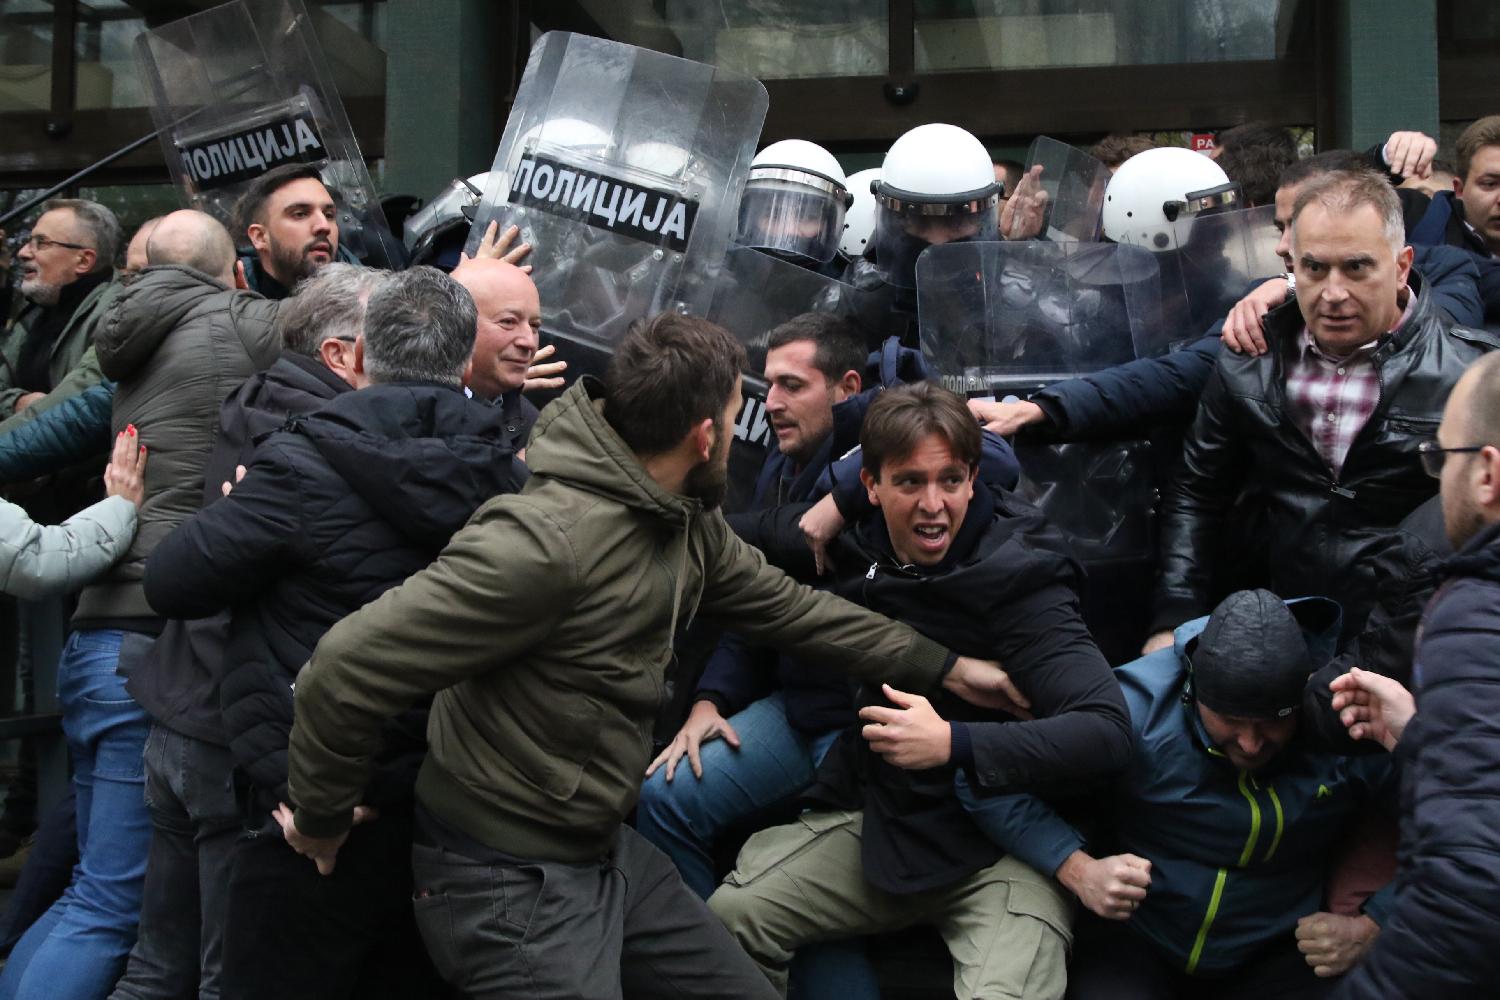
1440, 939
338, 508
1007, 590
1134, 398
1406, 575
178, 682
1296, 528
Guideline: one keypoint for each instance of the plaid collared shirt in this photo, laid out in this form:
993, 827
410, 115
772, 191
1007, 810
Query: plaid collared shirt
1332, 398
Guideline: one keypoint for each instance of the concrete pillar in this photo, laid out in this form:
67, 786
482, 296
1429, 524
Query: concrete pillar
1386, 70
441, 91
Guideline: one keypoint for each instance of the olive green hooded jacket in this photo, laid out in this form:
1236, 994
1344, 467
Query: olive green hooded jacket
546, 628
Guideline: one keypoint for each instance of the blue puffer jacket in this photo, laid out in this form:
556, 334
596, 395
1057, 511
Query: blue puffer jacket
1441, 938
1129, 400
1237, 857
68, 433
818, 699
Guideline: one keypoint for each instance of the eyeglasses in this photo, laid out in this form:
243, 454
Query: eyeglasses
39, 243
1432, 455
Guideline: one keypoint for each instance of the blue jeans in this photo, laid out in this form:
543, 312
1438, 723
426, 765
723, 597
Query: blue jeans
78, 947
774, 764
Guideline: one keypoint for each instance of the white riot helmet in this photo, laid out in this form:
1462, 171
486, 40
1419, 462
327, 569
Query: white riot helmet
794, 202
937, 185
456, 203
859, 220
1154, 197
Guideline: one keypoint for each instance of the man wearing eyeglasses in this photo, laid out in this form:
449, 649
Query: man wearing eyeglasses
65, 272
1301, 462
1440, 939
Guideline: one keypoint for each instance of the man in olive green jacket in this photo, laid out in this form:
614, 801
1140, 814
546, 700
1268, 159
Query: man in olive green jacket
546, 626
66, 268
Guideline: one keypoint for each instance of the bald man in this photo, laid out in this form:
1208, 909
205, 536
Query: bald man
177, 341
505, 343
189, 238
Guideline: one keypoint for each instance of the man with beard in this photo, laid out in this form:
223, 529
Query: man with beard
65, 272
291, 222
1440, 938
546, 629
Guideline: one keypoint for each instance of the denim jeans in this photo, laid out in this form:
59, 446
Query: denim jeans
196, 822
78, 947
773, 765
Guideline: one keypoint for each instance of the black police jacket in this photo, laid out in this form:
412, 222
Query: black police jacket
1255, 505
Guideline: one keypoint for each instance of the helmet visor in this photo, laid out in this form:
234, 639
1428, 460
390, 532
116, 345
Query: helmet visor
904, 230
791, 218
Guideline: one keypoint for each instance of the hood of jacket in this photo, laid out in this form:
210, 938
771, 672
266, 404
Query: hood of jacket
573, 443
422, 455
1479, 558
151, 307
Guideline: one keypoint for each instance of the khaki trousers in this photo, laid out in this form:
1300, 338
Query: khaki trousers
1007, 927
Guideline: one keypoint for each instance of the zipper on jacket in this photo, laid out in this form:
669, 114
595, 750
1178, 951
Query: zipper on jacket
871, 574
1208, 921
1280, 821
1254, 820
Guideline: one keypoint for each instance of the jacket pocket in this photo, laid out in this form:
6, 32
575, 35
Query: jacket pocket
570, 747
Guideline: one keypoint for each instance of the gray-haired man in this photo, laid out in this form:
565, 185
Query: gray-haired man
343, 504
65, 272
179, 949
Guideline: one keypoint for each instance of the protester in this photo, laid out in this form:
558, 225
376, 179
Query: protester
343, 504
1319, 433
1203, 868
197, 817
545, 627
888, 845
66, 268
176, 341
290, 221
1439, 939
748, 751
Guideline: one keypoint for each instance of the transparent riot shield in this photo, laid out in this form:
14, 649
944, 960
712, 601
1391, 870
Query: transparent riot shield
997, 317
1226, 254
1075, 183
1003, 320
244, 87
623, 168
754, 293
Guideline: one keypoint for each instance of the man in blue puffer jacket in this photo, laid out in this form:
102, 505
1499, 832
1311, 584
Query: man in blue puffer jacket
1207, 875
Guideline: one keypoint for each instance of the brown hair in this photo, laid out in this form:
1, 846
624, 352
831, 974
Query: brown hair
1484, 132
1253, 155
838, 345
900, 418
252, 204
669, 372
1114, 150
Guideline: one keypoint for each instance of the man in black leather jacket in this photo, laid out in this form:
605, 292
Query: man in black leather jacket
1313, 445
